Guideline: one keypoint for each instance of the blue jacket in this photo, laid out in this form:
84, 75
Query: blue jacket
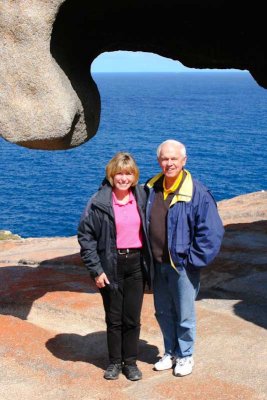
194, 227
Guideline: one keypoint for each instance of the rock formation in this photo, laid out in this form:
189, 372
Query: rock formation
48, 97
52, 331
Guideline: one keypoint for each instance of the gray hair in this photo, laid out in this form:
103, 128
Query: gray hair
174, 143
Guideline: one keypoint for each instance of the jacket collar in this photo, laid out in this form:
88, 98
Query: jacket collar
103, 197
186, 189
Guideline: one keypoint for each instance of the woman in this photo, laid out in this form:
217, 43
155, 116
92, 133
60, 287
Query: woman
114, 248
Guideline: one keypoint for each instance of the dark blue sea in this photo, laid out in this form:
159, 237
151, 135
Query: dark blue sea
220, 117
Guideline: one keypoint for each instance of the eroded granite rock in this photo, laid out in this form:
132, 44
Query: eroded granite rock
48, 97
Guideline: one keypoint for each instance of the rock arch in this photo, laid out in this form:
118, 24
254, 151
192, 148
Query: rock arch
48, 98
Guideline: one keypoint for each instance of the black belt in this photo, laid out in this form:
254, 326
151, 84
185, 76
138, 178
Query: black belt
122, 252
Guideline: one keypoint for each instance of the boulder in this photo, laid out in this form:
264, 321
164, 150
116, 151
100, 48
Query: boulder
48, 97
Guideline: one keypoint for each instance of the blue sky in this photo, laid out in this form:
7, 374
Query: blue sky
129, 61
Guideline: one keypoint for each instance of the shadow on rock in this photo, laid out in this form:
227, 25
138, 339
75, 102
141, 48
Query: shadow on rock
256, 313
92, 349
24, 283
240, 271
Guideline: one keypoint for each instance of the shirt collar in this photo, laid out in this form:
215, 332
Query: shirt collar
174, 186
117, 203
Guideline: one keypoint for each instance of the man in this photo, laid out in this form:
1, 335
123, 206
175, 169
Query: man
185, 233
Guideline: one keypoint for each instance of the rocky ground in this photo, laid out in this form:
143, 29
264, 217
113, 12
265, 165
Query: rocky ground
52, 331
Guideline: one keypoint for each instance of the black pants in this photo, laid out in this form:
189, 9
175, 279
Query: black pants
123, 309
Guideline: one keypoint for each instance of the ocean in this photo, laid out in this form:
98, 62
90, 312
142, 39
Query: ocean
221, 117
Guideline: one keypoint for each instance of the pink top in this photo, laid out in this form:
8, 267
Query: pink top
128, 223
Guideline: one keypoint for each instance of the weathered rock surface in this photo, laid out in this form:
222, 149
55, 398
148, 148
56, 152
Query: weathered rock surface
52, 331
48, 98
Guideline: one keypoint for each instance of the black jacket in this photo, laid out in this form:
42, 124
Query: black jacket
97, 235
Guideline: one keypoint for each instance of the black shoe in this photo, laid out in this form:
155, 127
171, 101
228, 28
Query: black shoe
112, 372
132, 372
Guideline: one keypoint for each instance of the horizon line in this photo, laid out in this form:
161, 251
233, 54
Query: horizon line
236, 71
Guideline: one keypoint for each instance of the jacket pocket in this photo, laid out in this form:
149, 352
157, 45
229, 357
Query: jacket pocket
179, 259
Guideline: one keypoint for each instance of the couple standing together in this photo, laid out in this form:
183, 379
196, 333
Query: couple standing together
161, 234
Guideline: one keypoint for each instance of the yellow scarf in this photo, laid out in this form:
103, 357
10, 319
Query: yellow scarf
173, 188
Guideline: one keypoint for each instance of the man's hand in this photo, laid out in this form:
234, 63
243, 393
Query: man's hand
101, 280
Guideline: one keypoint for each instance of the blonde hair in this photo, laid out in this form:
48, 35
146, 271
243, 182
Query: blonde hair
122, 162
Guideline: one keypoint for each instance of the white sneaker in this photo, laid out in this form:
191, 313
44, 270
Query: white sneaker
166, 362
184, 366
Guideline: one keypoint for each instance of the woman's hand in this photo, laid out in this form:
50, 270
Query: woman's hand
101, 280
